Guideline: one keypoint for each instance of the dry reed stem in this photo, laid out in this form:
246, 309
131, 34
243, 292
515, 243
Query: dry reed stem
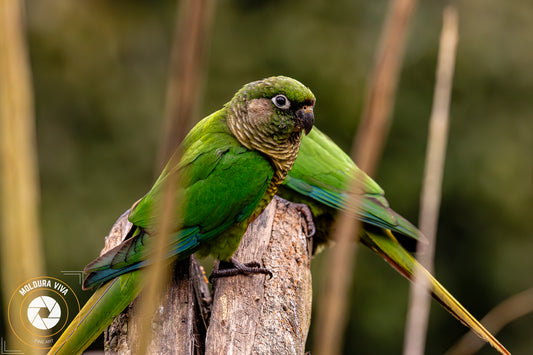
419, 302
21, 250
331, 319
188, 56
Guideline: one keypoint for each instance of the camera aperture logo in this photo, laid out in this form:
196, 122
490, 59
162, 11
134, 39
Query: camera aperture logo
40, 309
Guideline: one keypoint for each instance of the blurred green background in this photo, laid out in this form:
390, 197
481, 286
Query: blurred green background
100, 72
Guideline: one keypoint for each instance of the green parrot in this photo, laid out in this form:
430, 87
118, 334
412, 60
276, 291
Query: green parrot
320, 178
232, 164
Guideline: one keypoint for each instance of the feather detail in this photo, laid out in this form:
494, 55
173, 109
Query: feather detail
373, 209
96, 315
132, 255
384, 244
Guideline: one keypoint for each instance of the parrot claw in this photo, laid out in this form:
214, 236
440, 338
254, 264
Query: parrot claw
238, 268
305, 211
308, 215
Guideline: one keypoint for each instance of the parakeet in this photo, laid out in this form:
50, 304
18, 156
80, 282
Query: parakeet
232, 164
321, 177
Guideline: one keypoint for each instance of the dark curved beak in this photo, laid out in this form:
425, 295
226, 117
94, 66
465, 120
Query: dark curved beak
306, 118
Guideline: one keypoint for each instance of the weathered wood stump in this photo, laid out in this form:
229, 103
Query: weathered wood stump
177, 326
250, 314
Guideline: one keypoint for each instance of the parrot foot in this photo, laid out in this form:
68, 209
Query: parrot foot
235, 267
308, 215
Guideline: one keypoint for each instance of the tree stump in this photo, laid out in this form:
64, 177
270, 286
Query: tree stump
250, 314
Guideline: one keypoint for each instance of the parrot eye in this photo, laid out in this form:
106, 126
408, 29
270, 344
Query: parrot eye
281, 102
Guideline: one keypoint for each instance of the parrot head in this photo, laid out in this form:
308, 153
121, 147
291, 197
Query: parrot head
271, 113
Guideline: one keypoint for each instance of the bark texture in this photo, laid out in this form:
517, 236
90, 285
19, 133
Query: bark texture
176, 325
250, 314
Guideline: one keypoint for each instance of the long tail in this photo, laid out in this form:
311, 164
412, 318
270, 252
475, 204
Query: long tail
386, 245
104, 305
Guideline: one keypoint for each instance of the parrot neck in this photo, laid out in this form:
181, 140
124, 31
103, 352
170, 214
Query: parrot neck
280, 151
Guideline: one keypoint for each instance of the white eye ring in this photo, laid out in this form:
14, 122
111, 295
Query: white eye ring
281, 102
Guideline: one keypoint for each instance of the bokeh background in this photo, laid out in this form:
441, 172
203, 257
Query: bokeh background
100, 75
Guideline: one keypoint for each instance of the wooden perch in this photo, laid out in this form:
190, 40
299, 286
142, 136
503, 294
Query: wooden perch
250, 314
176, 325
258, 315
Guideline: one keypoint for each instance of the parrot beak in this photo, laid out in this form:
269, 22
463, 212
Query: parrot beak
306, 118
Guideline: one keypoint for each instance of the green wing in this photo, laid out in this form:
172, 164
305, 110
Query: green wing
321, 177
220, 185
322, 174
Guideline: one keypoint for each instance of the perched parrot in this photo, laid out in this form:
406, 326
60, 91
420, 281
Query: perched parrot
321, 177
232, 164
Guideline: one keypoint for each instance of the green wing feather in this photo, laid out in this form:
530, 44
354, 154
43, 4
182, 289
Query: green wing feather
220, 185
321, 177
323, 172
